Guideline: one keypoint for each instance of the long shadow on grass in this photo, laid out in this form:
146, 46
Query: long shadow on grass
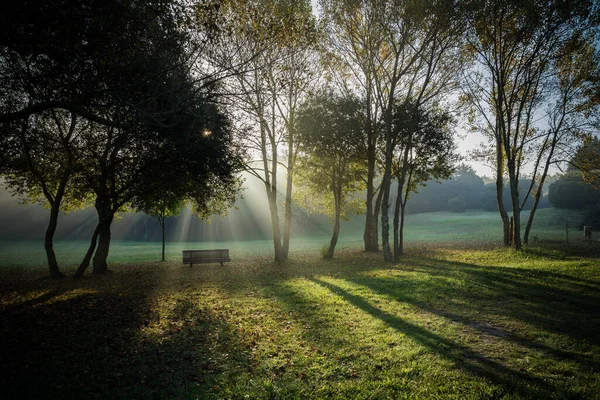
396, 289
551, 301
89, 339
463, 357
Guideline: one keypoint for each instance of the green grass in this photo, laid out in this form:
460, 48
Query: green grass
478, 323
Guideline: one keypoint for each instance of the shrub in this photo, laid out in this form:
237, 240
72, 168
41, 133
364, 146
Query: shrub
591, 217
570, 191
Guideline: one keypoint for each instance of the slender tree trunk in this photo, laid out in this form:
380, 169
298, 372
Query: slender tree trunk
516, 225
336, 227
162, 226
49, 240
500, 192
385, 220
370, 235
538, 193
397, 206
376, 211
287, 223
385, 186
531, 216
88, 256
272, 197
402, 219
105, 215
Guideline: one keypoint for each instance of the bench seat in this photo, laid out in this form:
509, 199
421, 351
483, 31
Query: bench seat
205, 256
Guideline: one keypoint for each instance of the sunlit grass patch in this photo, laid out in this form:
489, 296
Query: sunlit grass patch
442, 323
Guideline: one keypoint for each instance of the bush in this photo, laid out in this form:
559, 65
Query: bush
591, 217
456, 205
570, 191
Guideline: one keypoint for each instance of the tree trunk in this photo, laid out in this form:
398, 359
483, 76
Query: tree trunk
88, 256
272, 197
370, 235
376, 211
402, 215
397, 244
49, 241
287, 223
385, 220
105, 216
162, 226
516, 225
500, 194
336, 228
539, 192
385, 186
538, 195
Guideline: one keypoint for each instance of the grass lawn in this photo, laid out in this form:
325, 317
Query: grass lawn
480, 323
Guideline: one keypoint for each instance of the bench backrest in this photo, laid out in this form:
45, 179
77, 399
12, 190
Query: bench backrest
201, 255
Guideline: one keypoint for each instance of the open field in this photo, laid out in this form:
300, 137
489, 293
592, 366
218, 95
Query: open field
474, 227
443, 323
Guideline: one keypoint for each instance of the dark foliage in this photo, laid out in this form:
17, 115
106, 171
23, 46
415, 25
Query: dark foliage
489, 202
464, 184
571, 191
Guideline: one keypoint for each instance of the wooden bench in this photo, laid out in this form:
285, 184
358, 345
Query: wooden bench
205, 256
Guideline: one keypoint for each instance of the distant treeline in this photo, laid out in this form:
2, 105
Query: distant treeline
465, 190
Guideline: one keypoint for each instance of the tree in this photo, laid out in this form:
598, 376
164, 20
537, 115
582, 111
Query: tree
571, 191
354, 41
190, 154
39, 160
570, 117
271, 53
330, 163
586, 160
424, 150
516, 45
396, 51
65, 55
137, 78
161, 206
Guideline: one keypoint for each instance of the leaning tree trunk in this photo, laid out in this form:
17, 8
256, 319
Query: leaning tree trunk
336, 231
49, 241
538, 193
53, 222
90, 252
105, 216
337, 200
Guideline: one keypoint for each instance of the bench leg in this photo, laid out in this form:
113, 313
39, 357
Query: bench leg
221, 263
